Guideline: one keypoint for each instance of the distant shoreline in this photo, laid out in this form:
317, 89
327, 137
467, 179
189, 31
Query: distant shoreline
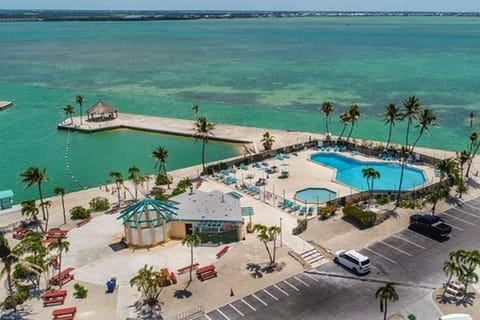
35, 15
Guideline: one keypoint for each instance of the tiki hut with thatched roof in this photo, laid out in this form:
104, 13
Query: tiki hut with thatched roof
147, 222
101, 112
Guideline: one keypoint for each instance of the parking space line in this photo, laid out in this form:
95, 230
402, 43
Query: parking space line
459, 219
233, 307
474, 207
271, 295
263, 302
381, 255
291, 285
467, 213
223, 314
301, 281
309, 276
454, 226
206, 316
248, 304
408, 241
281, 290
395, 248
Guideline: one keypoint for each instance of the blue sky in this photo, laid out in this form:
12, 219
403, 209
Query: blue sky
346, 5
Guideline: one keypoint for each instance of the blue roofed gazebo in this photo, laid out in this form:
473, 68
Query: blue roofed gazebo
147, 222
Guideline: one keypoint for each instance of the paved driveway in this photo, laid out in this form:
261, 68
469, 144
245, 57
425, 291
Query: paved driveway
330, 291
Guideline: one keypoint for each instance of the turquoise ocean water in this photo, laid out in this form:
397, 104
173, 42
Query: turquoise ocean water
271, 73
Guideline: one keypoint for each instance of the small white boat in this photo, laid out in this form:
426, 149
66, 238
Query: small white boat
5, 105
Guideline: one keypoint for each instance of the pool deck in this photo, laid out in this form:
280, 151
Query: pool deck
250, 136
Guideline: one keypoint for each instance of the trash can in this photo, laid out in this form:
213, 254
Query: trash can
111, 284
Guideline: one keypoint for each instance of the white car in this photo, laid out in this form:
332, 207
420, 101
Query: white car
353, 260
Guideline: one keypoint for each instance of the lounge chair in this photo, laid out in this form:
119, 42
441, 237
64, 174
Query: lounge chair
243, 166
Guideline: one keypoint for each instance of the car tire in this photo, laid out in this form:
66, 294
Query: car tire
335, 260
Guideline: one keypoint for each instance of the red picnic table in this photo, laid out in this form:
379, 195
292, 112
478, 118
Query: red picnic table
19, 233
62, 277
54, 297
64, 314
56, 233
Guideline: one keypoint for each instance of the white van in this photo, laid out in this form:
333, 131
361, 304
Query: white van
456, 316
353, 260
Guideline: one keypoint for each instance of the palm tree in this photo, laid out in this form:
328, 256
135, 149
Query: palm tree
370, 174
462, 158
426, 119
118, 180
30, 210
344, 120
69, 111
435, 195
32, 243
45, 205
135, 178
9, 260
265, 234
404, 155
80, 99
391, 115
61, 192
273, 232
474, 146
327, 108
448, 167
161, 155
386, 294
467, 261
191, 240
451, 268
61, 245
35, 176
267, 141
147, 282
412, 108
354, 115
203, 129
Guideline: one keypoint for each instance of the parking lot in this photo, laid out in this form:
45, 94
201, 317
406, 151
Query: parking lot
411, 260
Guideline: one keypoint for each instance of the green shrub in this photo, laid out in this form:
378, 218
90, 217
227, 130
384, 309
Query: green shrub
99, 204
382, 199
161, 195
182, 186
80, 291
410, 203
364, 219
79, 212
20, 297
162, 179
327, 211
301, 227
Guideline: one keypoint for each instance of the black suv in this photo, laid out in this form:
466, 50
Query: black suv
431, 226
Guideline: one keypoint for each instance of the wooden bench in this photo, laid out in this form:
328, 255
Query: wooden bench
222, 252
187, 268
53, 300
201, 270
56, 293
207, 275
84, 221
65, 313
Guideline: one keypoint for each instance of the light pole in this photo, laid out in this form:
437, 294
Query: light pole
281, 232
